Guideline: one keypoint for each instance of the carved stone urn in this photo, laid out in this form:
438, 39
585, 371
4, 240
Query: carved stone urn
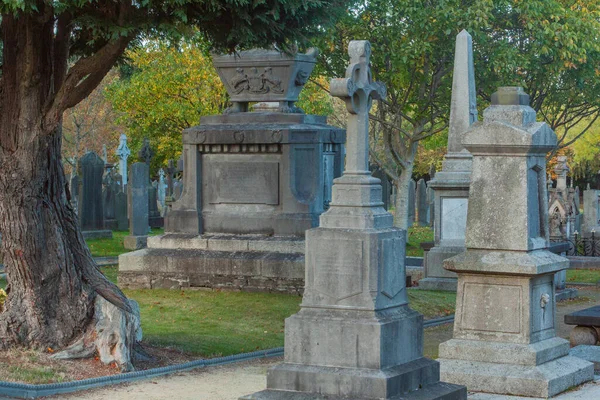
264, 76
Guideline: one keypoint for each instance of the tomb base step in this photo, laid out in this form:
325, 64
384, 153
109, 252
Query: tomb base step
566, 294
545, 380
416, 380
153, 268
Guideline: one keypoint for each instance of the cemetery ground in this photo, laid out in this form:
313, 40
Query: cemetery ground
181, 326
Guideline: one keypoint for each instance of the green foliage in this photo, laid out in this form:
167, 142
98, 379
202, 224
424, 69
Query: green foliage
171, 87
548, 46
169, 90
2, 297
225, 24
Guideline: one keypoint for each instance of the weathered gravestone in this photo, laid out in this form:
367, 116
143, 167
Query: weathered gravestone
123, 153
422, 203
254, 182
451, 185
90, 207
112, 183
504, 338
412, 198
386, 186
355, 336
591, 211
121, 211
137, 205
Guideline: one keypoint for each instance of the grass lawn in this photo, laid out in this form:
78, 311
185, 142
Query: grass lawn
113, 247
583, 275
220, 323
417, 235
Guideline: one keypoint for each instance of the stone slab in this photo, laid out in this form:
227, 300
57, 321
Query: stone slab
505, 353
171, 268
545, 380
134, 242
587, 317
438, 391
434, 261
588, 353
102, 234
566, 294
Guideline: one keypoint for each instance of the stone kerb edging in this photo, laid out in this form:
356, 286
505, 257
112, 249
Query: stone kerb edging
27, 391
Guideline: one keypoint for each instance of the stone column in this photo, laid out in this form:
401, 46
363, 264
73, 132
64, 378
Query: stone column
355, 336
137, 206
123, 153
451, 185
504, 338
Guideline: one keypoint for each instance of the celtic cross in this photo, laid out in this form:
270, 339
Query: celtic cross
358, 90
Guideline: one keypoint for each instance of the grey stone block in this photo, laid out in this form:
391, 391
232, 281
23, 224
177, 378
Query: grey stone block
589, 353
544, 380
447, 284
134, 242
566, 294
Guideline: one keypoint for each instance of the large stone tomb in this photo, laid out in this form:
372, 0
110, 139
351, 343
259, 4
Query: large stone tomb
254, 182
504, 331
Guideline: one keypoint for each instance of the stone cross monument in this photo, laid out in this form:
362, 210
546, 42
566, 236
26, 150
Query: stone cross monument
355, 336
504, 331
451, 185
123, 153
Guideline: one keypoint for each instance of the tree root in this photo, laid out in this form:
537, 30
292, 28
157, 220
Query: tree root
113, 335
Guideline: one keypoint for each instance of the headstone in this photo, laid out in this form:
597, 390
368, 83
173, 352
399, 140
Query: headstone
104, 154
90, 207
146, 154
431, 202
355, 336
121, 211
137, 206
123, 153
451, 184
170, 176
412, 198
563, 205
111, 186
591, 211
161, 188
177, 189
386, 186
504, 339
422, 203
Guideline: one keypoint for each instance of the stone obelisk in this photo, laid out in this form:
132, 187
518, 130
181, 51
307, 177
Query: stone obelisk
451, 185
355, 336
504, 338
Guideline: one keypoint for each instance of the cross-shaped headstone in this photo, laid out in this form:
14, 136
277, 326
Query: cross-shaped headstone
146, 153
358, 90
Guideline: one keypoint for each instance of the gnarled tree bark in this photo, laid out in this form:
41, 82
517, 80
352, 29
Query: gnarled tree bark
55, 290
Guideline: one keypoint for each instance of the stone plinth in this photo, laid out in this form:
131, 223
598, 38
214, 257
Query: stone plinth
504, 337
355, 336
451, 185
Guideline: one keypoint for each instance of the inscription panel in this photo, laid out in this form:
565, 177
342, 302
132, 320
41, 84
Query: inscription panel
492, 308
338, 268
454, 218
393, 274
244, 183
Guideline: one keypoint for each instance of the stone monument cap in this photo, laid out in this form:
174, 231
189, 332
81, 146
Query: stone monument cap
510, 96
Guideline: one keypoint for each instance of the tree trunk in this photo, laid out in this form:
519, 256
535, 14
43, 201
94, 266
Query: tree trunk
53, 281
402, 186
